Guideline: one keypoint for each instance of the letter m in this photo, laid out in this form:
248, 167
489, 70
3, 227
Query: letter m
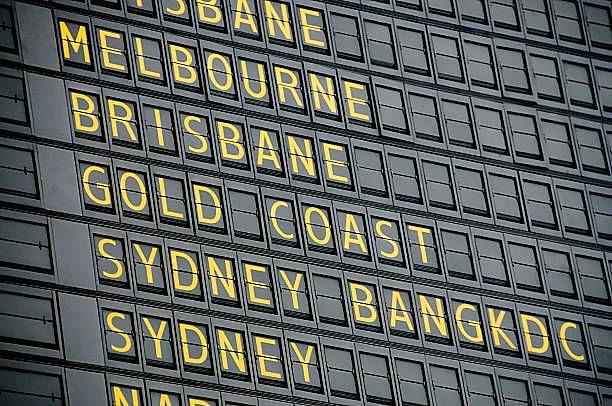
75, 42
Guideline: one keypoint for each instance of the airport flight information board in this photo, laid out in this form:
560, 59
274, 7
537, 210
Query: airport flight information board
272, 202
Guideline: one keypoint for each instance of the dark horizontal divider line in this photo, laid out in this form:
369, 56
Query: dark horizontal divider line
363, 71
305, 260
286, 326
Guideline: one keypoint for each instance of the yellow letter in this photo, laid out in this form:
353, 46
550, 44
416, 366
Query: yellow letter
328, 92
179, 11
87, 185
274, 219
307, 216
293, 287
291, 85
68, 41
477, 338
563, 336
182, 62
395, 249
140, 57
120, 400
212, 5
106, 50
127, 346
174, 257
245, 15
118, 264
147, 261
306, 157
525, 319
142, 191
281, 20
124, 119
308, 27
237, 353
227, 279
198, 402
402, 314
420, 232
496, 328
163, 197
253, 284
363, 304
159, 128
229, 82
304, 359
202, 219
439, 318
164, 399
263, 358
187, 120
352, 101
261, 79
187, 357
156, 335
330, 162
84, 113
233, 140
352, 234
265, 150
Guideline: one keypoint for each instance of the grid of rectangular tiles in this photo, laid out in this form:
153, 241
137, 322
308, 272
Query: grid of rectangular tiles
454, 197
